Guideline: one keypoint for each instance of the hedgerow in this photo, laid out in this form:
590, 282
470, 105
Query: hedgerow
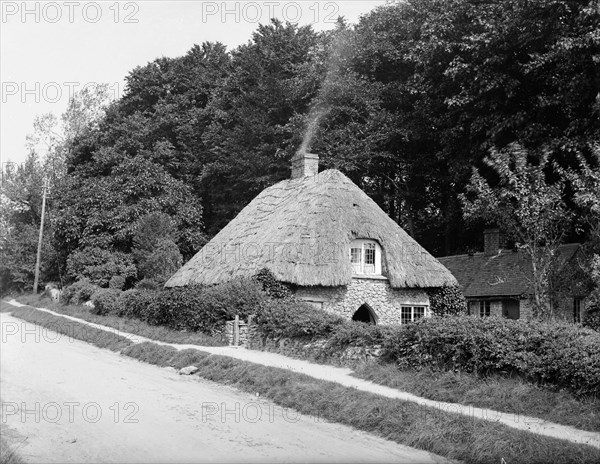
291, 318
204, 309
105, 300
553, 353
78, 292
134, 303
591, 320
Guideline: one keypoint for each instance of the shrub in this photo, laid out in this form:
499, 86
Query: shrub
154, 249
555, 353
105, 300
241, 297
134, 303
99, 265
182, 308
591, 319
149, 284
79, 292
271, 286
117, 282
205, 309
164, 260
288, 317
448, 300
352, 333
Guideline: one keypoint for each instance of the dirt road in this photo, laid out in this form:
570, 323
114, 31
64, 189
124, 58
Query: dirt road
67, 401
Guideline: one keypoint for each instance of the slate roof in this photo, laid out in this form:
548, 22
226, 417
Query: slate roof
506, 274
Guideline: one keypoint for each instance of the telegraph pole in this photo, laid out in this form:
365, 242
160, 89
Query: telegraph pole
39, 250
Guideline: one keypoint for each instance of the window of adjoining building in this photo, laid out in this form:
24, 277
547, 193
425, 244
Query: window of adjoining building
484, 308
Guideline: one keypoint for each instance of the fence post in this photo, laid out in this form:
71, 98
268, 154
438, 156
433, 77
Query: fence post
236, 331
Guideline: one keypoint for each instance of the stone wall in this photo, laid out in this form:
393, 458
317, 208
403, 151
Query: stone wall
376, 293
316, 350
247, 333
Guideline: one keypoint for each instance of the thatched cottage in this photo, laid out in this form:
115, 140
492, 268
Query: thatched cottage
326, 237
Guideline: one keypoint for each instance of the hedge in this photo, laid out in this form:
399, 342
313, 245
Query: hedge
205, 309
79, 292
554, 353
288, 317
105, 300
134, 303
591, 319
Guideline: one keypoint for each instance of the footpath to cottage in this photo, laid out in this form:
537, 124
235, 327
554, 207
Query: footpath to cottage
343, 376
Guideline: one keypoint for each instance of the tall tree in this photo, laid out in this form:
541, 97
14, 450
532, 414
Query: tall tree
20, 216
527, 208
248, 137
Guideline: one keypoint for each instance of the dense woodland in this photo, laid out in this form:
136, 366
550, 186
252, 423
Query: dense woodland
435, 108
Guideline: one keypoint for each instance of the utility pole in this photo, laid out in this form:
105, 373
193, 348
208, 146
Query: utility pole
39, 250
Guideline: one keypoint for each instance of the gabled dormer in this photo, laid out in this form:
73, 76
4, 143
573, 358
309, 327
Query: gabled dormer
365, 258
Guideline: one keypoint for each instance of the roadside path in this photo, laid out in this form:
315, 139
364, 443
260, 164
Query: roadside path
343, 376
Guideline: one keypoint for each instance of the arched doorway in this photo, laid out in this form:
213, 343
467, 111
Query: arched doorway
365, 314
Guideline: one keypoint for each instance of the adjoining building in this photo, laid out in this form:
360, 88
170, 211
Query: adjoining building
498, 282
321, 233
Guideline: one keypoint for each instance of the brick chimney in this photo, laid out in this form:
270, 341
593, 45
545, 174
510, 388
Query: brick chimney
491, 242
304, 165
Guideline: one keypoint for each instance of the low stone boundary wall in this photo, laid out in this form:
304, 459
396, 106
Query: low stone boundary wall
247, 335
240, 333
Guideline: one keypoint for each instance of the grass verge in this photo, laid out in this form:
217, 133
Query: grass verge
457, 437
134, 326
504, 394
501, 393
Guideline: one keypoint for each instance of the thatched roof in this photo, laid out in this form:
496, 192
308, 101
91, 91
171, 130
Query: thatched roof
301, 230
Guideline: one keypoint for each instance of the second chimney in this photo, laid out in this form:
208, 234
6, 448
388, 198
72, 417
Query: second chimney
304, 165
491, 242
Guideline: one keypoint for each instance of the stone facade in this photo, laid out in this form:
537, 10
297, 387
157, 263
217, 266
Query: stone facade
385, 302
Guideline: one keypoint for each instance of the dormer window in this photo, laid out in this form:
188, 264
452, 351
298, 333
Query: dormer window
365, 257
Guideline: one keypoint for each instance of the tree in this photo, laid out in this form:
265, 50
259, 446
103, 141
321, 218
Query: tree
21, 190
20, 216
102, 211
585, 182
154, 249
457, 78
248, 139
527, 208
52, 137
100, 265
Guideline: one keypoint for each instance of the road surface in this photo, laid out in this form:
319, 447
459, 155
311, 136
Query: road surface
67, 401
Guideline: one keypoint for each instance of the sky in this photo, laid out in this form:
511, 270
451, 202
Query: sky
48, 50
